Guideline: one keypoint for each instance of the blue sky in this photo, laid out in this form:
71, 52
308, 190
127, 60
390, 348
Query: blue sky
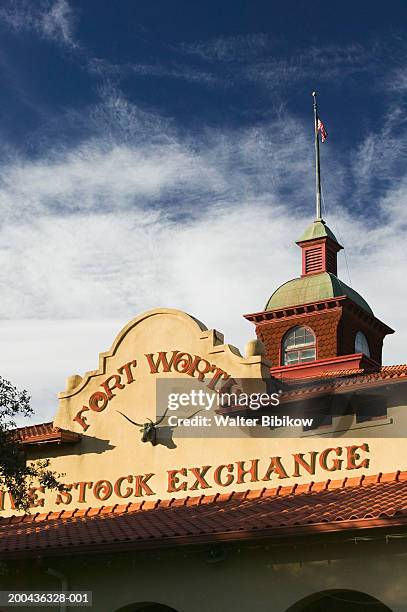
161, 154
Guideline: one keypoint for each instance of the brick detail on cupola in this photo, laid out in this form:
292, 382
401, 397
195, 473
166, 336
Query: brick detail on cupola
350, 323
323, 324
335, 323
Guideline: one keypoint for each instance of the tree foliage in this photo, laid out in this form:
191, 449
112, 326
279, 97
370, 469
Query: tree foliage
18, 475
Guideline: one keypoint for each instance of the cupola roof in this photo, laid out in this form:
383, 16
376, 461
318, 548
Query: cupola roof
313, 288
317, 229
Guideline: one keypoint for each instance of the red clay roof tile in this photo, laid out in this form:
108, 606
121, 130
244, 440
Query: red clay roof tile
44, 432
346, 378
329, 505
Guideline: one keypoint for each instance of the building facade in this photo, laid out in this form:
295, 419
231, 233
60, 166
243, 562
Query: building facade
266, 518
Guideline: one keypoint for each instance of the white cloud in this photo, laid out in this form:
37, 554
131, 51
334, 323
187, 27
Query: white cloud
171, 69
230, 61
90, 178
136, 159
50, 19
39, 355
57, 22
381, 154
257, 58
139, 217
325, 63
397, 81
106, 270
176, 70
229, 48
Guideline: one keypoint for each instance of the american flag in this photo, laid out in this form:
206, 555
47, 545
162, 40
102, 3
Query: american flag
321, 128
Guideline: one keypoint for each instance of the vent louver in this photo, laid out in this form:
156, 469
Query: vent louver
313, 260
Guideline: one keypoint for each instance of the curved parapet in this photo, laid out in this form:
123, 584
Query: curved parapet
162, 342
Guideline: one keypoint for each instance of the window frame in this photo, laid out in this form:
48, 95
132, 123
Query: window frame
298, 347
359, 333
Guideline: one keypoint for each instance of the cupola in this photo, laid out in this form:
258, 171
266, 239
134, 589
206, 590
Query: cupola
315, 324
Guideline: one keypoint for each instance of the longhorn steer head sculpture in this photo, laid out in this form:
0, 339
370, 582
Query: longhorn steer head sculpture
147, 429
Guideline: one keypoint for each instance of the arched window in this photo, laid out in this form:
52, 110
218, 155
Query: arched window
299, 346
361, 344
339, 600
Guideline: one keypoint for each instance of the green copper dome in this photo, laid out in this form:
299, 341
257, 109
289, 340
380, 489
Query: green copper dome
313, 288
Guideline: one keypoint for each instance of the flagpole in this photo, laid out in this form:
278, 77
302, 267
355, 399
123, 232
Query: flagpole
317, 164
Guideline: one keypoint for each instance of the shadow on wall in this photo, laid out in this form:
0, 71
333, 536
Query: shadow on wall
88, 445
338, 601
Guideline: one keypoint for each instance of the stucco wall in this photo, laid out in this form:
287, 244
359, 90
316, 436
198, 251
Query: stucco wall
111, 447
251, 577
